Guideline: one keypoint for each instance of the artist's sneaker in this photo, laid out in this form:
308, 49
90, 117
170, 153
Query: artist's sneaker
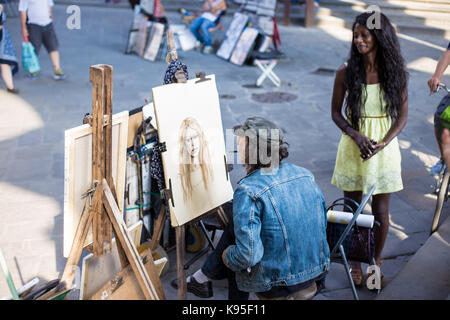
59, 75
201, 290
208, 49
436, 169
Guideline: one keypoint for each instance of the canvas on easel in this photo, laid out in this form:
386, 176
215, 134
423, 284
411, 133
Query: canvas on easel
190, 127
78, 172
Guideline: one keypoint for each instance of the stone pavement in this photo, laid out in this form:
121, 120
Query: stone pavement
32, 133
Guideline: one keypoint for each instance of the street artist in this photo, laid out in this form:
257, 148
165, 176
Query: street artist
275, 244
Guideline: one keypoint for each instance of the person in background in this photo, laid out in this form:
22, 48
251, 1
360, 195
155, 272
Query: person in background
8, 59
374, 85
36, 20
200, 27
275, 243
433, 83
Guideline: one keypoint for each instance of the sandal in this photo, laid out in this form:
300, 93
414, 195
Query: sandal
381, 275
356, 273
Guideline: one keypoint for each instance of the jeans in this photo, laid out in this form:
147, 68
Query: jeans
202, 24
214, 268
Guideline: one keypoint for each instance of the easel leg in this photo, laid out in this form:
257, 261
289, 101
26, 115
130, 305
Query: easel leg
181, 273
78, 242
160, 222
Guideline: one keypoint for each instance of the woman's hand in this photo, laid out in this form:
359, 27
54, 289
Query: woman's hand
25, 35
365, 145
377, 147
433, 83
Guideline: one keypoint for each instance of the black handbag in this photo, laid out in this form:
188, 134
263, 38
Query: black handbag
359, 245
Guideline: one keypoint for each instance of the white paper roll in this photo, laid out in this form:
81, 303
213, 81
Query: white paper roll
363, 220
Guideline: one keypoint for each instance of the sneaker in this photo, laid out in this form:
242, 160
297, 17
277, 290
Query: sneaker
33, 75
436, 169
13, 90
201, 290
59, 75
208, 49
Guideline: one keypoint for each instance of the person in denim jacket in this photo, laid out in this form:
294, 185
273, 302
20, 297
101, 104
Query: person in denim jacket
277, 244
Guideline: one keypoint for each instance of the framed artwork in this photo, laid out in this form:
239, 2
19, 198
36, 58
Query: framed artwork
78, 172
244, 46
154, 42
190, 125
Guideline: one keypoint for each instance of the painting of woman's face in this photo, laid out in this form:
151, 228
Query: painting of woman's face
192, 142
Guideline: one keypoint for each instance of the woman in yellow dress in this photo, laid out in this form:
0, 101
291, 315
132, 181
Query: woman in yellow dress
372, 85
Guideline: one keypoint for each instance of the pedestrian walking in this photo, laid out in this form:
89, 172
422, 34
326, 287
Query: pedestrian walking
36, 18
8, 58
372, 85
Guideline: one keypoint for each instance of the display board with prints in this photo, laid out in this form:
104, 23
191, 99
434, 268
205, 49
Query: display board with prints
232, 35
244, 46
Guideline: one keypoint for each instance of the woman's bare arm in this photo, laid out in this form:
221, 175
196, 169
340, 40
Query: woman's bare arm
339, 89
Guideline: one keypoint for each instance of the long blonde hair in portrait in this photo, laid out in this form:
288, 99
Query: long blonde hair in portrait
187, 162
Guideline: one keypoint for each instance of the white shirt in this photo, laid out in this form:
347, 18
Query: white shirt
209, 15
38, 11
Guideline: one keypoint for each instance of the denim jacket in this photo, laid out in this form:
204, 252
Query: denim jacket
280, 229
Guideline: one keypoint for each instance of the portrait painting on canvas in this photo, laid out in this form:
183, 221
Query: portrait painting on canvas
189, 123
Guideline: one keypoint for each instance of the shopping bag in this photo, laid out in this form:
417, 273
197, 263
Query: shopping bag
30, 60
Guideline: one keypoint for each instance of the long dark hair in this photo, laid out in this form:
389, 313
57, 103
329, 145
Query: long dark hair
392, 74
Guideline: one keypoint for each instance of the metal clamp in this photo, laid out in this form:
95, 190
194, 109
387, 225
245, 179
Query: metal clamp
202, 76
90, 192
167, 193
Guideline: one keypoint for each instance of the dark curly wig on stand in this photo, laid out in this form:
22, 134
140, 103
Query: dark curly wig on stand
392, 74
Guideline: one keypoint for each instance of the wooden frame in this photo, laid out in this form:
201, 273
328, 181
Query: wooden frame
78, 171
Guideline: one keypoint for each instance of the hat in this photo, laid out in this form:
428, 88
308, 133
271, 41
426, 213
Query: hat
260, 127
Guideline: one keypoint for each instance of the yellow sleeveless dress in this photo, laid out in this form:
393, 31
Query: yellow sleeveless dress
384, 168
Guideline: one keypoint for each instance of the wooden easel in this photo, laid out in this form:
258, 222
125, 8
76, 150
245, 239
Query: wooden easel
180, 231
101, 209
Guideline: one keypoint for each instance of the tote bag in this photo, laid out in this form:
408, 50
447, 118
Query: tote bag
30, 60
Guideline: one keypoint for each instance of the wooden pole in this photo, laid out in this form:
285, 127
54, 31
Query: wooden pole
309, 13
181, 273
287, 12
101, 228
